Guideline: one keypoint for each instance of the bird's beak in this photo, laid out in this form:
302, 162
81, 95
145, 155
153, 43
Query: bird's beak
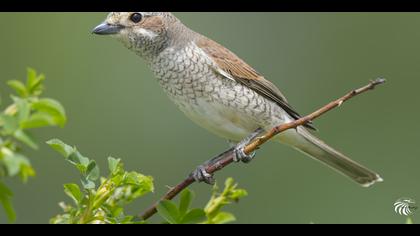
107, 29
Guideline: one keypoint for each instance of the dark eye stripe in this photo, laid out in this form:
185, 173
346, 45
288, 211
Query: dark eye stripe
136, 17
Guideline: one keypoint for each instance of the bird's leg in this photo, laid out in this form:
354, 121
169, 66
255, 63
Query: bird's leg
200, 174
239, 148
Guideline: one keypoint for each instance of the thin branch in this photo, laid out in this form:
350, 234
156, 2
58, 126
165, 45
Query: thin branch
227, 157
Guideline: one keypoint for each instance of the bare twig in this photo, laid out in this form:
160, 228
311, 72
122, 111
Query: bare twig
227, 157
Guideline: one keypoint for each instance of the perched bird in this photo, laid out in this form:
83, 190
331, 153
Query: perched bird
218, 90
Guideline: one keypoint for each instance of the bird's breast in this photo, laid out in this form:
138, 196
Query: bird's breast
224, 107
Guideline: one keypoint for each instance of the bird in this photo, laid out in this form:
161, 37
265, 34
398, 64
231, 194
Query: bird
218, 90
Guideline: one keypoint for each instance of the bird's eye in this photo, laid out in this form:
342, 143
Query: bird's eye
136, 17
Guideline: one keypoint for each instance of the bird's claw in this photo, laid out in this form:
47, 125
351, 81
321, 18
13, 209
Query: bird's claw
240, 155
200, 175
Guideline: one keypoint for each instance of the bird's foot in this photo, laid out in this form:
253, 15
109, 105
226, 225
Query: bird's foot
240, 155
200, 175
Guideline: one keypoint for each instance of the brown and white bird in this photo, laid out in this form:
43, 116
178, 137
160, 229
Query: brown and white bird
216, 89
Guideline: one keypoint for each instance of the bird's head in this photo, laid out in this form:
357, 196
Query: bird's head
146, 33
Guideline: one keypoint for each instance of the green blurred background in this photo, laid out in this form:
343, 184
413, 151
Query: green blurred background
116, 107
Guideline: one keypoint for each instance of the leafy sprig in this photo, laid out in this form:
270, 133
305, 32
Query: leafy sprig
102, 200
105, 203
212, 212
27, 112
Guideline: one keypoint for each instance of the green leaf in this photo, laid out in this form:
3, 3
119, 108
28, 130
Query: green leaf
9, 123
238, 194
185, 201
5, 195
23, 109
26, 171
30, 77
168, 211
223, 218
218, 200
86, 167
92, 171
409, 221
34, 82
71, 154
79, 161
87, 184
25, 138
142, 184
38, 120
61, 147
194, 216
52, 108
14, 162
19, 87
229, 183
114, 165
73, 191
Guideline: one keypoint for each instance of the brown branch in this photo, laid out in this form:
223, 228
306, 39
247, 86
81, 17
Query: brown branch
227, 157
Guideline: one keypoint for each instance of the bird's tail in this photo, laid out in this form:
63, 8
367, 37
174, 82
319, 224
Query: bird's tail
305, 142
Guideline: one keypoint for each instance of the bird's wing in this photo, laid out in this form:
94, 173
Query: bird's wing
232, 67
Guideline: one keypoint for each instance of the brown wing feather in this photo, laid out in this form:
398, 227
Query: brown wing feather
245, 74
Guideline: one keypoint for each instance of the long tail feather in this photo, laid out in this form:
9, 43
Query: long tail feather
305, 142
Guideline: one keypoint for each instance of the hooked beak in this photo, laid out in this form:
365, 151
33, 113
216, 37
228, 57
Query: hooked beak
107, 29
